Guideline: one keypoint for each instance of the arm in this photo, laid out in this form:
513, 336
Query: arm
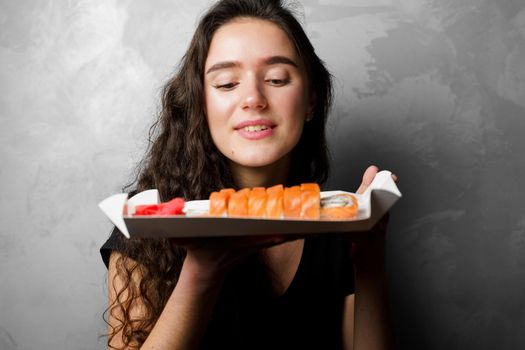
348, 322
365, 316
371, 325
186, 314
366, 323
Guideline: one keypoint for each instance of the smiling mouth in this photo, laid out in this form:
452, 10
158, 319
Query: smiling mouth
256, 132
255, 128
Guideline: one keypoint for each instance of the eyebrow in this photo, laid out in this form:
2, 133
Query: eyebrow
269, 61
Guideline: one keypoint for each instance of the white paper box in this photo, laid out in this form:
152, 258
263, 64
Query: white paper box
375, 202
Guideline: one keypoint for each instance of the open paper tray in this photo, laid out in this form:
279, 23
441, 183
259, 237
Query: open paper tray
373, 204
185, 227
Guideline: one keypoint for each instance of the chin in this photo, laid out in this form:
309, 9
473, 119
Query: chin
260, 159
255, 163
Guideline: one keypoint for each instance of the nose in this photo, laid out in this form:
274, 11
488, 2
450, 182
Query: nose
254, 97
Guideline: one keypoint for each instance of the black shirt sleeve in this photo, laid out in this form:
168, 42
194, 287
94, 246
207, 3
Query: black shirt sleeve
114, 243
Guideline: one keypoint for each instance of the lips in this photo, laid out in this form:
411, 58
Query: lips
258, 122
255, 129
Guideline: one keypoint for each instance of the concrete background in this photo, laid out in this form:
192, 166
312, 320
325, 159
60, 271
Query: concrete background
433, 90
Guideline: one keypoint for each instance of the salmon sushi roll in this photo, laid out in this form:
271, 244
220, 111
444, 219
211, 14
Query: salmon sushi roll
238, 203
311, 187
340, 206
310, 204
337, 213
228, 192
275, 189
257, 202
218, 204
292, 202
274, 202
244, 191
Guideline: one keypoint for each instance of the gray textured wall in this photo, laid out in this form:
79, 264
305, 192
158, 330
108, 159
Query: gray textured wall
432, 89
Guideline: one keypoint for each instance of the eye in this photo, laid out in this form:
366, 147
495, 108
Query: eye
278, 82
225, 87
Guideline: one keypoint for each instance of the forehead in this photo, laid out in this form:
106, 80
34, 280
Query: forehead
249, 39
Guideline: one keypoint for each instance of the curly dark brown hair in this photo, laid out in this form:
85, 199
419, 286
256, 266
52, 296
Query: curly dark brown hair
182, 160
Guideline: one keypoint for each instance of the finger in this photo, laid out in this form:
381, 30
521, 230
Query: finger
394, 177
368, 177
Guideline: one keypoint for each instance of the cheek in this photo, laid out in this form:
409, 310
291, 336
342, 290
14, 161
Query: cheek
293, 107
217, 103
218, 111
215, 108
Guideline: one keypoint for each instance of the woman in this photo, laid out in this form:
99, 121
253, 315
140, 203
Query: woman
247, 108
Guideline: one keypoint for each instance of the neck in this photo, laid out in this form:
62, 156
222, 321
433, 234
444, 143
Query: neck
264, 176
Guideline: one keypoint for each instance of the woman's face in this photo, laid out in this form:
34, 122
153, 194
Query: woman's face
256, 93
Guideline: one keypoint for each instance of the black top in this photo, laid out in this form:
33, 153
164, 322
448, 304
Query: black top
307, 316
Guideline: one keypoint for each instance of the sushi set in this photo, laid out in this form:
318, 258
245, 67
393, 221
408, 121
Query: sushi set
298, 210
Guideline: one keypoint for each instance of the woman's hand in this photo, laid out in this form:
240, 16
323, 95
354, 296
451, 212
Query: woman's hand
209, 259
183, 321
368, 176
